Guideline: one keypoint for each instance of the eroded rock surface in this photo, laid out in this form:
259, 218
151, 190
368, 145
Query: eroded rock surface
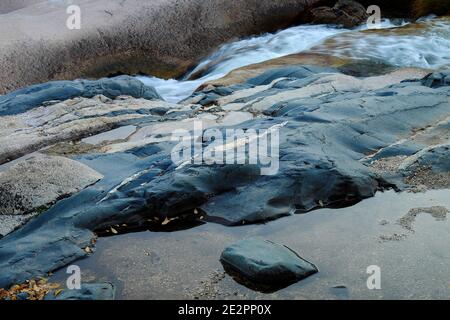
71, 120
332, 127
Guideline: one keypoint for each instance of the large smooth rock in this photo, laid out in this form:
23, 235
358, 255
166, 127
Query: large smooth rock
30, 186
265, 263
42, 180
161, 37
30, 97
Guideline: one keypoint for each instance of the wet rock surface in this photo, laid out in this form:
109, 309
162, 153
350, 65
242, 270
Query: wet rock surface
88, 291
185, 264
265, 265
347, 13
331, 128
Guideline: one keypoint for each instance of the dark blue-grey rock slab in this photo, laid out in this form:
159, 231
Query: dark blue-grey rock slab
298, 76
265, 264
295, 72
437, 79
88, 291
34, 96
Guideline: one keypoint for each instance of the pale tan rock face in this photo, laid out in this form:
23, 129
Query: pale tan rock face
13, 5
159, 37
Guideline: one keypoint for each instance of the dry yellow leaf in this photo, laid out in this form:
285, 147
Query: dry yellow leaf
15, 288
57, 292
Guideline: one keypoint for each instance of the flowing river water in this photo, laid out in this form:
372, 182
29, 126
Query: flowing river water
424, 44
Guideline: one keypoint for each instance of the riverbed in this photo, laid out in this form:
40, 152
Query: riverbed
343, 243
404, 234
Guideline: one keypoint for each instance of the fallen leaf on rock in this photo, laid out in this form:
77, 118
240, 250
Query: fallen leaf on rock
35, 290
57, 292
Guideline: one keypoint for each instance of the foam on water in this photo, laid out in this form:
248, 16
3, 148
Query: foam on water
425, 44
242, 53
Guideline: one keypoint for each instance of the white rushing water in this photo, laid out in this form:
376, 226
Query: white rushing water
429, 48
425, 45
242, 53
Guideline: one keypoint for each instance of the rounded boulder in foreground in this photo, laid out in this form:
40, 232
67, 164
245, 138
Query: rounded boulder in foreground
264, 265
